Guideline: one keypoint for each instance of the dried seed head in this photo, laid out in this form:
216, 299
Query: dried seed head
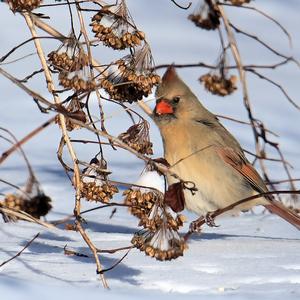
115, 28
219, 85
160, 237
206, 16
141, 201
219, 82
95, 185
72, 64
23, 5
131, 78
75, 111
37, 206
164, 244
137, 137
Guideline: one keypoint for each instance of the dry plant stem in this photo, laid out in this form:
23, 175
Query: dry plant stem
265, 15
8, 152
16, 187
66, 138
20, 252
94, 251
112, 251
207, 66
25, 216
92, 75
218, 212
256, 38
242, 75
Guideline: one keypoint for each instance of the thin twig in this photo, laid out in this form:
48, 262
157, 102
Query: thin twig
24, 216
275, 84
182, 7
218, 212
20, 252
17, 145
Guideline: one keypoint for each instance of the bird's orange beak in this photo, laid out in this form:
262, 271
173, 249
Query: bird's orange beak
163, 107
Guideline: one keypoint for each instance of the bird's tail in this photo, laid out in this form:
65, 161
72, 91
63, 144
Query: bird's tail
275, 207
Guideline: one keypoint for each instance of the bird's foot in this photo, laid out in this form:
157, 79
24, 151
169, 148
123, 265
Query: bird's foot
210, 220
195, 226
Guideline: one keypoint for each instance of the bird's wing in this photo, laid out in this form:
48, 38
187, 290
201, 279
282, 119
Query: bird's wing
238, 161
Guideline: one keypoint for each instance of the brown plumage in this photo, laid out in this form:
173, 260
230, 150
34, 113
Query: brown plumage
201, 150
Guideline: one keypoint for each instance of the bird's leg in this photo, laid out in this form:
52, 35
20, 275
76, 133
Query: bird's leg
210, 220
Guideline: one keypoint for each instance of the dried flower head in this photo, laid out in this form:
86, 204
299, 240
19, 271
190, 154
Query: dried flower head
37, 206
114, 27
23, 5
141, 200
72, 64
131, 77
160, 239
95, 185
206, 15
219, 82
74, 109
163, 244
137, 137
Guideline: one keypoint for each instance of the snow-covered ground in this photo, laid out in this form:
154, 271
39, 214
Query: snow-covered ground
251, 256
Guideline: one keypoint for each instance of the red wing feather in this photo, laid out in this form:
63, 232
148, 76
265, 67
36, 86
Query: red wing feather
240, 164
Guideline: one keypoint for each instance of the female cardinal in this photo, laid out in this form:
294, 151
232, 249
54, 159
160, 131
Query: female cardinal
199, 149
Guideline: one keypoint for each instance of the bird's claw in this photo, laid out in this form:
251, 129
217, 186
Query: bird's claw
210, 220
195, 226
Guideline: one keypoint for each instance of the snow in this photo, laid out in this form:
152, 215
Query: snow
247, 257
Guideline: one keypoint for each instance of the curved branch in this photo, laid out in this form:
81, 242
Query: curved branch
182, 7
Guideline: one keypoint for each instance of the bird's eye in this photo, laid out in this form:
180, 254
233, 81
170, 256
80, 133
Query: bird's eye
176, 99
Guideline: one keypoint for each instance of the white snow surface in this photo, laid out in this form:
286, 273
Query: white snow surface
247, 257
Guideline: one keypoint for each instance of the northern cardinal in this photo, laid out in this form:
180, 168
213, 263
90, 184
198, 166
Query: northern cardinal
199, 149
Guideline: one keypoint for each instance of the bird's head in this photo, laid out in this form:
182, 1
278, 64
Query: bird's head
174, 99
